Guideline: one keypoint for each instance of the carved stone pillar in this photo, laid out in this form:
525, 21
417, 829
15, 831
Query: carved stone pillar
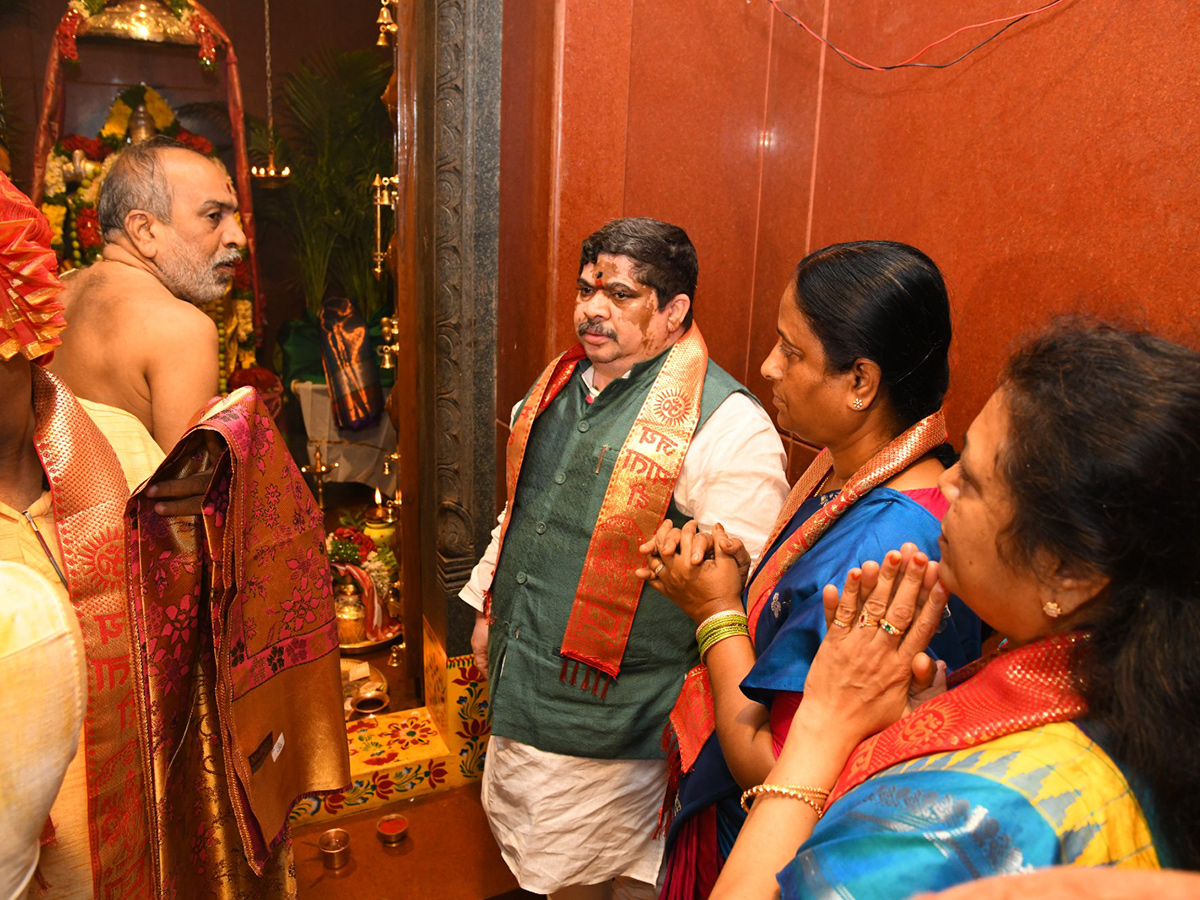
458, 210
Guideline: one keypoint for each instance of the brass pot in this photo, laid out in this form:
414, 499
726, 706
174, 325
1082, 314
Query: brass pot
351, 613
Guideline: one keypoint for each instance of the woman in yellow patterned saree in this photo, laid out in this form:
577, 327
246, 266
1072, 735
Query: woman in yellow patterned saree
1072, 529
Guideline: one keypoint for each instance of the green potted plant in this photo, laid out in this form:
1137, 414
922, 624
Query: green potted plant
336, 137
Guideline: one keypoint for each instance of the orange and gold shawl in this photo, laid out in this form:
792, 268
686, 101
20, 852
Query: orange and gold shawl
88, 494
1012, 691
885, 465
635, 502
238, 682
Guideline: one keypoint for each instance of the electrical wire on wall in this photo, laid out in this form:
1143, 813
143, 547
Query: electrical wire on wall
1006, 22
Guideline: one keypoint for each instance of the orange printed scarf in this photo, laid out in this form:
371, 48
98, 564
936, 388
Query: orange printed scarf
88, 493
885, 465
635, 503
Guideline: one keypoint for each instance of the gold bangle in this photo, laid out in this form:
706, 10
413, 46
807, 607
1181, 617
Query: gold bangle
731, 614
814, 797
720, 636
715, 632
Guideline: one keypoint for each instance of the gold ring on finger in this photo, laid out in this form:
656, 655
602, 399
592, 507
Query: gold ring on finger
840, 624
865, 621
659, 568
886, 626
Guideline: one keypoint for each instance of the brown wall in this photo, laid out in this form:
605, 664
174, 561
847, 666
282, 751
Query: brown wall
1054, 170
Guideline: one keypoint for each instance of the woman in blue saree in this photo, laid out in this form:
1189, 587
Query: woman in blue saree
1072, 527
860, 369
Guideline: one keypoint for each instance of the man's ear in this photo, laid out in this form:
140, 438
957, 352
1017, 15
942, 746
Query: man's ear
142, 233
677, 309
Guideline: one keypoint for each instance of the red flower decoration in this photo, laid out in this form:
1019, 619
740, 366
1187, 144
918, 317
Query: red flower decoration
267, 384
87, 226
196, 142
382, 760
383, 785
474, 728
65, 35
365, 545
470, 674
208, 45
241, 276
93, 148
73, 142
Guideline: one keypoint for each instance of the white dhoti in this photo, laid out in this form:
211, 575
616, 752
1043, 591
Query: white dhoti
568, 820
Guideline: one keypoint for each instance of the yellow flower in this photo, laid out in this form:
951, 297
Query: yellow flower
118, 119
158, 109
55, 215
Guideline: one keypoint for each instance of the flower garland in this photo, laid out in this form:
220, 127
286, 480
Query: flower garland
72, 215
76, 236
351, 546
79, 11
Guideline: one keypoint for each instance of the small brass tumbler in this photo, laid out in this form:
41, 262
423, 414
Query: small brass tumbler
335, 847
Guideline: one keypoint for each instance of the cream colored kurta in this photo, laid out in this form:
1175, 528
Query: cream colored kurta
36, 642
66, 866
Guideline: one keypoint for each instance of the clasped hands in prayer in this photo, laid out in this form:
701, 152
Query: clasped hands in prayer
702, 572
864, 677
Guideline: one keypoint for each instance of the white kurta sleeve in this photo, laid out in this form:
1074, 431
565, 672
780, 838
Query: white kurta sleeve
734, 473
481, 576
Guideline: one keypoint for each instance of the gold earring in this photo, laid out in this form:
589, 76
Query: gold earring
1052, 609
857, 404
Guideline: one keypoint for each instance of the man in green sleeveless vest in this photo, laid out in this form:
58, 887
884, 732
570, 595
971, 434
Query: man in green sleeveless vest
632, 425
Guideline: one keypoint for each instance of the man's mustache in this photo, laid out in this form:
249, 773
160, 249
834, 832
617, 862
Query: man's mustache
228, 259
595, 328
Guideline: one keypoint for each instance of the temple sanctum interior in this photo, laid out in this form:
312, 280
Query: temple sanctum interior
587, 449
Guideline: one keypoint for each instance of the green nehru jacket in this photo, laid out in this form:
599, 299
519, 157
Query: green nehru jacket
558, 499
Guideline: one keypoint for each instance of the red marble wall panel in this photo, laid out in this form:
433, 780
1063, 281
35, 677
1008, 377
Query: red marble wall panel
698, 81
527, 294
591, 142
1053, 171
784, 199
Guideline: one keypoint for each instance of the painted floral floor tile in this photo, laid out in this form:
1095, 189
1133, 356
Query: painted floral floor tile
394, 740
